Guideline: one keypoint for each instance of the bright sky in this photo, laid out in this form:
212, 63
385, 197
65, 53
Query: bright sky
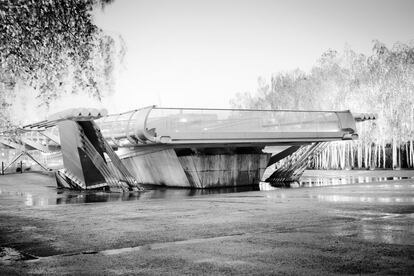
188, 53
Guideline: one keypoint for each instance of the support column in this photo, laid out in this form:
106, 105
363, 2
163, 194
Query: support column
293, 165
83, 149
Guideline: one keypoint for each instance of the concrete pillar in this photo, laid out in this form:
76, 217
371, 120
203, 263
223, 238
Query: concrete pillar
75, 159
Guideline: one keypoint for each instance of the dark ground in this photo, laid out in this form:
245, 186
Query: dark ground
356, 228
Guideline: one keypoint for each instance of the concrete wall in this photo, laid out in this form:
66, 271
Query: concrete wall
164, 167
224, 170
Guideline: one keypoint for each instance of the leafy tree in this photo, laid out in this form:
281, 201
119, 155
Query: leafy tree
54, 46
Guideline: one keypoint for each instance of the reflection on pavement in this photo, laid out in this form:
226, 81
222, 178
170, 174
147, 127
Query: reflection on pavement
370, 199
41, 193
391, 228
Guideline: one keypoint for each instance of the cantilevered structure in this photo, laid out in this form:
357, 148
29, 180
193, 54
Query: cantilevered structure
192, 147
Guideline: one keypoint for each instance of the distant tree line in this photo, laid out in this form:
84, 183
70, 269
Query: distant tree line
381, 83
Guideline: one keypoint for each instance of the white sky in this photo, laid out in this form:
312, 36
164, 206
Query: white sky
188, 53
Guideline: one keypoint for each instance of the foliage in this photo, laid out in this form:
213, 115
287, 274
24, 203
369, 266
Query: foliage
54, 46
381, 83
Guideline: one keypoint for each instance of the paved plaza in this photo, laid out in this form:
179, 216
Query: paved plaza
365, 227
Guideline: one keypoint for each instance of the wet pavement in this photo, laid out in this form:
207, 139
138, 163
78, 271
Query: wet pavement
332, 222
25, 189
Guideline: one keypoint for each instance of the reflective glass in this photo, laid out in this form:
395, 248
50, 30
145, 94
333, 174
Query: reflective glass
168, 120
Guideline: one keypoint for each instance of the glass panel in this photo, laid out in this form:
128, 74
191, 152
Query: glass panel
193, 123
167, 121
116, 126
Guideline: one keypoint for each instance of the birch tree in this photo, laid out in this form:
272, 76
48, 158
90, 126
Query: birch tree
381, 83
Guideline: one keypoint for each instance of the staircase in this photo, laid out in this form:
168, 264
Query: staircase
291, 168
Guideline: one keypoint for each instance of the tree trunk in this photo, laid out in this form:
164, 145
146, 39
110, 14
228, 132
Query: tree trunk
399, 156
351, 145
369, 156
407, 155
359, 149
394, 155
374, 157
348, 155
379, 156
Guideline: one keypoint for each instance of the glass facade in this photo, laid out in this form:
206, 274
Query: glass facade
170, 120
182, 124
